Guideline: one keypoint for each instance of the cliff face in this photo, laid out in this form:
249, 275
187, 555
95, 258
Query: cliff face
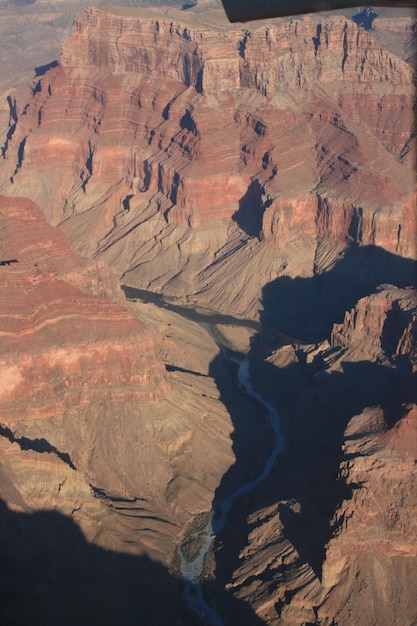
383, 322
264, 171
334, 527
62, 347
373, 549
91, 421
372, 527
188, 148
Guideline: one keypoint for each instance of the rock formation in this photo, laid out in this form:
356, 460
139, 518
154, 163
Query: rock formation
304, 124
331, 538
92, 426
264, 171
51, 359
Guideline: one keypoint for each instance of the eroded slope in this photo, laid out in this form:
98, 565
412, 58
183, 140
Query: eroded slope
182, 151
94, 428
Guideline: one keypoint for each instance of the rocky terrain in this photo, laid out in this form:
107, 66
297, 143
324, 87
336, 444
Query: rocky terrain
95, 427
32, 32
264, 171
331, 539
304, 124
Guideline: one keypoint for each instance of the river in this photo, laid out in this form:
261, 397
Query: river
192, 569
199, 316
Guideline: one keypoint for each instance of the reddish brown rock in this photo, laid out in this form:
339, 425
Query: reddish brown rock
67, 357
372, 558
206, 162
191, 148
330, 536
383, 322
85, 394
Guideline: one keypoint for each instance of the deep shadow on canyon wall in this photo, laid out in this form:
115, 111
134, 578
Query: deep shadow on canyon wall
50, 575
307, 308
315, 407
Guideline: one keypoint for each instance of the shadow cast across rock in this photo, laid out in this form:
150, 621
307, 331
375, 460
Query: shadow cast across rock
307, 308
49, 575
316, 405
252, 206
252, 442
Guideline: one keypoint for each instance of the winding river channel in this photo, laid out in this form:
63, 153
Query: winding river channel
192, 568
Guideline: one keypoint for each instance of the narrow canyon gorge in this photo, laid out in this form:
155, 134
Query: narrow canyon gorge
179, 194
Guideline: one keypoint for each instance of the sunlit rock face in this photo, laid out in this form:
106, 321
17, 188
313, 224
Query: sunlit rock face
89, 415
62, 345
385, 321
265, 171
180, 149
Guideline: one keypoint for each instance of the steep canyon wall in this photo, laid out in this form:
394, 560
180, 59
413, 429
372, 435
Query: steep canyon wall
178, 149
102, 448
264, 171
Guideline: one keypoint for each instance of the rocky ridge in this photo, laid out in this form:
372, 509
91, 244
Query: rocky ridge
315, 190
289, 119
64, 365
331, 539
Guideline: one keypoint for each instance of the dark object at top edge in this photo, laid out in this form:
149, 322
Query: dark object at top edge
248, 10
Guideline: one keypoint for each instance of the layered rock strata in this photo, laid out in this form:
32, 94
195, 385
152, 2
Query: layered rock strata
97, 437
190, 149
372, 557
331, 538
57, 351
264, 171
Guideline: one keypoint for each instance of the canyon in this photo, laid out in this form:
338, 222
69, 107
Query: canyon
263, 171
117, 426
318, 140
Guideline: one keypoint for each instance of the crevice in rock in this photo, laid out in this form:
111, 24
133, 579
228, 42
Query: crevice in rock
147, 176
37, 88
126, 202
199, 81
175, 368
132, 507
355, 227
42, 69
241, 45
88, 167
101, 493
20, 156
187, 122
37, 445
345, 48
407, 148
316, 39
12, 109
174, 188
9, 136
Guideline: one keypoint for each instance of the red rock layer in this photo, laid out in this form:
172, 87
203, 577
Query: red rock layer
373, 547
88, 410
62, 347
176, 147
